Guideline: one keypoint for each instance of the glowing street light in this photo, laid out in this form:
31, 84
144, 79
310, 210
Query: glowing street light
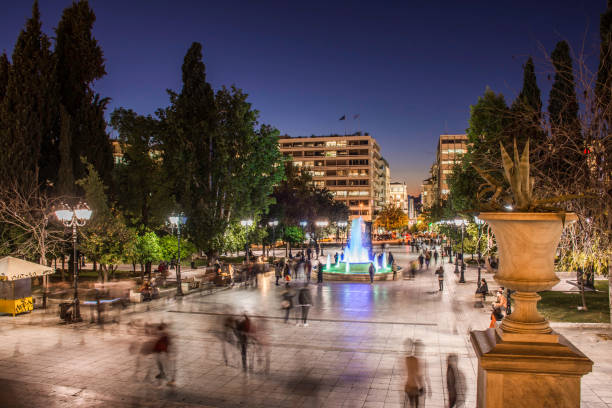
74, 217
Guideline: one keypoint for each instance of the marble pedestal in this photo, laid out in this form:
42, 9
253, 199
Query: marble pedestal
528, 370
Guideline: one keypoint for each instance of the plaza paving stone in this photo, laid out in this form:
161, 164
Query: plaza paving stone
351, 355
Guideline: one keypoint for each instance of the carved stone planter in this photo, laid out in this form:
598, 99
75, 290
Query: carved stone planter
523, 363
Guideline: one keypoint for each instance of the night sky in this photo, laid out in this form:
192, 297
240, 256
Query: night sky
409, 69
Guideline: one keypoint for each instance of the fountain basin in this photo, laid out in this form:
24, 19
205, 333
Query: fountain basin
358, 271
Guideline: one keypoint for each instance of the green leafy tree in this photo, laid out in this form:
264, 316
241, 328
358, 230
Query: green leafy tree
146, 251
105, 238
169, 248
223, 166
143, 191
391, 218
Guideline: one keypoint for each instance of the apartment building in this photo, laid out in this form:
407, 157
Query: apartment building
350, 166
450, 149
399, 196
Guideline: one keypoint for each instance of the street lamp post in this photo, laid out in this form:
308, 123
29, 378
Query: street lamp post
343, 225
75, 217
461, 223
273, 224
321, 224
304, 224
177, 221
479, 222
246, 223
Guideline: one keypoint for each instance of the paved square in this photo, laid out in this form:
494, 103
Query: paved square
351, 354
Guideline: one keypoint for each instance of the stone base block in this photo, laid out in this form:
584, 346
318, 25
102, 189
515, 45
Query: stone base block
527, 371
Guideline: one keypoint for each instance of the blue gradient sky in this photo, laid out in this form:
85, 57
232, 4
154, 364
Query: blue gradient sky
410, 69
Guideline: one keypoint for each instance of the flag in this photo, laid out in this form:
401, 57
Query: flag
356, 116
343, 117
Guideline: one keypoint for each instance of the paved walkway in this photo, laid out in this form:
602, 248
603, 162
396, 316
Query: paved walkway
351, 355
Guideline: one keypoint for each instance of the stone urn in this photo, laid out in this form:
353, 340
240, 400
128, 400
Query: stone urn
524, 363
527, 244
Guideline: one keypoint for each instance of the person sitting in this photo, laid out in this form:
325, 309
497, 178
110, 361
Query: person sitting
496, 316
483, 289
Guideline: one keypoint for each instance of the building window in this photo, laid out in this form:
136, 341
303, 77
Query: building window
330, 153
331, 143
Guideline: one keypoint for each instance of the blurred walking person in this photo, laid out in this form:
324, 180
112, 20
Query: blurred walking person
278, 272
287, 302
440, 273
371, 271
435, 255
308, 269
161, 350
415, 379
455, 384
244, 328
421, 260
305, 301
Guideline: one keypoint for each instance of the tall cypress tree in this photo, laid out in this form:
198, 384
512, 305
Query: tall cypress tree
527, 110
28, 111
80, 62
5, 66
604, 72
562, 102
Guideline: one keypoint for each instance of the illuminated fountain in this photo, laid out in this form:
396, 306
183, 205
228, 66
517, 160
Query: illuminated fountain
354, 263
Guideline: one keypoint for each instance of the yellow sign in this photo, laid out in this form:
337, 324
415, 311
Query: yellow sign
16, 306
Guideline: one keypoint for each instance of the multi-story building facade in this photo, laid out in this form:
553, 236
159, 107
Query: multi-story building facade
412, 212
450, 149
399, 196
350, 166
427, 194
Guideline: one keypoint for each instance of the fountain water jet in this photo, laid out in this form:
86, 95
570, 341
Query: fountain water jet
354, 263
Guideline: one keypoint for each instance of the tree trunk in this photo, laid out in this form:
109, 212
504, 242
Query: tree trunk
95, 266
142, 272
287, 250
134, 267
100, 273
610, 286
148, 269
105, 268
63, 266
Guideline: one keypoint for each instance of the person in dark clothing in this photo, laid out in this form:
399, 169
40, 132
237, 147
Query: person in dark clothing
371, 271
308, 269
391, 259
421, 260
278, 273
483, 289
305, 301
319, 273
287, 302
243, 332
435, 255
455, 383
336, 258
440, 273
309, 252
